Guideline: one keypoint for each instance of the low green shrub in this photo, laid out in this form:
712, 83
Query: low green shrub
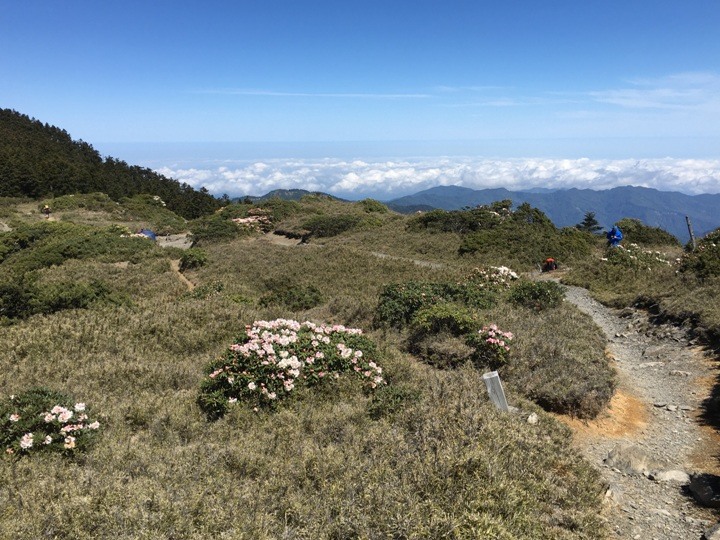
54, 297
635, 231
213, 228
635, 258
44, 244
272, 358
95, 202
41, 420
280, 209
293, 297
704, 262
537, 295
447, 317
371, 205
193, 258
327, 226
28, 296
398, 303
15, 301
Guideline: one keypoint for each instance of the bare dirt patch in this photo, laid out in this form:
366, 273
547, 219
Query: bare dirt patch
175, 265
182, 241
625, 416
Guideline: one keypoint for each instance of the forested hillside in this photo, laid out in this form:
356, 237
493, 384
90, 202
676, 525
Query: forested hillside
39, 160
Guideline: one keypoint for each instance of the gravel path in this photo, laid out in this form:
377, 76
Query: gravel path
662, 381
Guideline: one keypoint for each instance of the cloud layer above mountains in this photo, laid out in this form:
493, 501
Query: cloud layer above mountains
388, 179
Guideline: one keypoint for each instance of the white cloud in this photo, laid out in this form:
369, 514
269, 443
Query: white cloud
388, 179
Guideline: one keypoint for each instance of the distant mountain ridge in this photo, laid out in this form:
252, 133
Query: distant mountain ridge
288, 195
664, 209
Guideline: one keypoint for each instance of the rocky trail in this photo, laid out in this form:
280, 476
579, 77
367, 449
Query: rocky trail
652, 447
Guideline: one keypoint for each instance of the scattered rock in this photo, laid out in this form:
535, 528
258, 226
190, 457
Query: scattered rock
680, 477
532, 419
650, 364
660, 404
678, 373
671, 408
613, 495
713, 533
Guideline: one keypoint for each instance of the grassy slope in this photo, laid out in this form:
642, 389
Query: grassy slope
447, 465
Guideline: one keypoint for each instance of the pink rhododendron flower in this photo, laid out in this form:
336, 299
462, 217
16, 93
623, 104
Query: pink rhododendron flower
26, 441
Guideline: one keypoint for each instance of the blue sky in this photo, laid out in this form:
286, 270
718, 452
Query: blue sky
632, 79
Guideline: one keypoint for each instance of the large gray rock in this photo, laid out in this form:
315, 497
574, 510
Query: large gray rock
629, 459
679, 477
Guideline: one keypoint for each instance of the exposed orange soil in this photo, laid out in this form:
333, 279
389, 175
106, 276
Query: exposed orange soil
625, 416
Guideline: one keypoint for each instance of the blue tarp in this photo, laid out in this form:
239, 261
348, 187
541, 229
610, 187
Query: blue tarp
147, 232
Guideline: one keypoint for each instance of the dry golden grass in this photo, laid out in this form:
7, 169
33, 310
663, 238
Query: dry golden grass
332, 464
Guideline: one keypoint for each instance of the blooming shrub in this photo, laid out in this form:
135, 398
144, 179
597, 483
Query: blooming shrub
635, 258
41, 420
274, 358
492, 346
492, 277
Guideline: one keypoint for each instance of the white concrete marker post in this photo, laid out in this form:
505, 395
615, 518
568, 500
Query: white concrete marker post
495, 390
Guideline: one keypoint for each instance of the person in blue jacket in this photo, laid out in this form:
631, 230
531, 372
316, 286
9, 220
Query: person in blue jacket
614, 236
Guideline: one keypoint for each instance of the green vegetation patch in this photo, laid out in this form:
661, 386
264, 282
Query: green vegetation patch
41, 420
293, 297
636, 232
704, 261
398, 303
43, 244
520, 238
558, 361
193, 258
326, 226
537, 295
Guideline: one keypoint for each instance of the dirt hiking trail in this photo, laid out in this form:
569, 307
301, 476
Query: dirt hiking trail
651, 438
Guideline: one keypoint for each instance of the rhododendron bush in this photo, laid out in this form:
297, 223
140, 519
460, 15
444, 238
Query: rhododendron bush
272, 359
41, 420
492, 346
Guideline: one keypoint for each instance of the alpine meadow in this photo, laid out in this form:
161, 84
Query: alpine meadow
310, 368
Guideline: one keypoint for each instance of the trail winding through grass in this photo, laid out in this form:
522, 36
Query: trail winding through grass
662, 382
